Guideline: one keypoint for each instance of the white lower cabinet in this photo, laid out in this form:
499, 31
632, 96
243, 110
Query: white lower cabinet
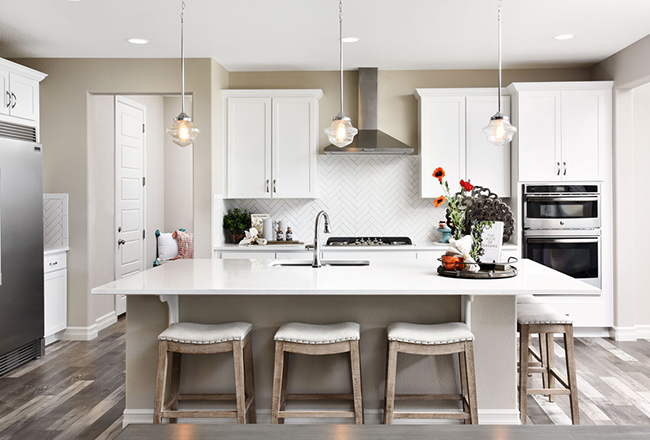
55, 295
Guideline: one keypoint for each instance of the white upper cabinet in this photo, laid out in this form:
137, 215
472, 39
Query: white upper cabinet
271, 143
249, 148
564, 130
488, 165
451, 123
24, 92
19, 87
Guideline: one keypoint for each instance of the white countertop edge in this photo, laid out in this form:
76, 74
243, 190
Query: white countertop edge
50, 251
301, 248
329, 292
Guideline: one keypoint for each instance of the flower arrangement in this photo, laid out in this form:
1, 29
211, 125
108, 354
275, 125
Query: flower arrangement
456, 205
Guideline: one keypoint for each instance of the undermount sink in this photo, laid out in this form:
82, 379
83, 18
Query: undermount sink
308, 263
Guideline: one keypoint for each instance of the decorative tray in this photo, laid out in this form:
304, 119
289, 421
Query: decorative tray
487, 270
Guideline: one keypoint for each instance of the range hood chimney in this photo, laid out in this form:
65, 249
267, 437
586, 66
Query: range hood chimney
370, 140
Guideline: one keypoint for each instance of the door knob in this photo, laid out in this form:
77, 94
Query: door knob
120, 242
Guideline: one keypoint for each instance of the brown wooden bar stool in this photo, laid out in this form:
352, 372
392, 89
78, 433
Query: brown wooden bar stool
432, 340
191, 338
310, 339
544, 320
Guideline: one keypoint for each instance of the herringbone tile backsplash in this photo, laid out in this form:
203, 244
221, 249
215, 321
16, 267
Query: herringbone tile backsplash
55, 221
364, 196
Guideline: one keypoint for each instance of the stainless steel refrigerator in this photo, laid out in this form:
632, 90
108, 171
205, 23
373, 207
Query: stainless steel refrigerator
21, 249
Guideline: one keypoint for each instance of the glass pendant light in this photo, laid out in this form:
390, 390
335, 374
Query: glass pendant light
341, 132
183, 131
499, 131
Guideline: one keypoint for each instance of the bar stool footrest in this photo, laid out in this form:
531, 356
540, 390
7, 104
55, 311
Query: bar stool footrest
428, 397
199, 414
431, 415
289, 397
211, 397
301, 414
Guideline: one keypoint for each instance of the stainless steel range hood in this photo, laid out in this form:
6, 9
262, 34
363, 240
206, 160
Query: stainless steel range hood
370, 140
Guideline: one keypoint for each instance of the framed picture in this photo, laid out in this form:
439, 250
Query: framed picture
257, 222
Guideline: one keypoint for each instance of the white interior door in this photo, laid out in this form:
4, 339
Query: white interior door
129, 190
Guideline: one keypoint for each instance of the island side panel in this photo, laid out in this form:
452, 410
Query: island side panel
494, 323
148, 316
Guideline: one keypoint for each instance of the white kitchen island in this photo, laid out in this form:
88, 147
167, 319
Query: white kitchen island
213, 291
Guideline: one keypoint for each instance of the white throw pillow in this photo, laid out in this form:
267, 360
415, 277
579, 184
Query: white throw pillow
167, 246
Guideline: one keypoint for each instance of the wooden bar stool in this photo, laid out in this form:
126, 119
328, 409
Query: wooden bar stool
318, 340
545, 321
432, 340
190, 338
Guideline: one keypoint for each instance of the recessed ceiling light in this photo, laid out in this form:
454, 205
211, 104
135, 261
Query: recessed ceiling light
564, 36
137, 41
351, 39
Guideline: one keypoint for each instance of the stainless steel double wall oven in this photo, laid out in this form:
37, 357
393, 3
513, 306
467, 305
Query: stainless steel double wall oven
562, 229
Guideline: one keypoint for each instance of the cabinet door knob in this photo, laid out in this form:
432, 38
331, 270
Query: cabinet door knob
564, 164
558, 168
267, 185
120, 242
14, 100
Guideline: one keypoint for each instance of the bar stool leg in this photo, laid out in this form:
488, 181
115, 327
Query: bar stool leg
462, 366
161, 379
550, 362
278, 382
571, 373
391, 373
240, 393
175, 383
285, 381
249, 378
523, 373
543, 348
355, 362
471, 382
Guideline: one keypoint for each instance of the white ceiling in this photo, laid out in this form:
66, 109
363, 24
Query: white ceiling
302, 34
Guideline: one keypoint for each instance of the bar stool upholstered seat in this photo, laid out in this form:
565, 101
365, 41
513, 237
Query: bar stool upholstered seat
311, 339
432, 340
544, 320
192, 338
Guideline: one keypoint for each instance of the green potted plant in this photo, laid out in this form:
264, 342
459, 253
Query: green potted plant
235, 222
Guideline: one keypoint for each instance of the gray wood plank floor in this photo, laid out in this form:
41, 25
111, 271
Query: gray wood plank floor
77, 390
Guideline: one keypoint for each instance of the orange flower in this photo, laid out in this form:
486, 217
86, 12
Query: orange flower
439, 173
439, 201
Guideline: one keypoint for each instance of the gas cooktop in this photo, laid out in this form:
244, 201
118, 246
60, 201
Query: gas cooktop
369, 241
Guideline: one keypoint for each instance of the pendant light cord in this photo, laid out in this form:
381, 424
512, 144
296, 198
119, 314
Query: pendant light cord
341, 50
499, 54
182, 59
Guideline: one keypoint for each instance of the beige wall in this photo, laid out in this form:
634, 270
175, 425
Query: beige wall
67, 161
397, 105
178, 181
628, 68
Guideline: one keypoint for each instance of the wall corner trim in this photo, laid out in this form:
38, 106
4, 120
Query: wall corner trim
623, 333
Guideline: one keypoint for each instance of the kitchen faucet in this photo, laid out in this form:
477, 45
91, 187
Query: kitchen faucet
316, 261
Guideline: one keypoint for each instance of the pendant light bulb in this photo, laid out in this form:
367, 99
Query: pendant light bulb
183, 131
499, 131
341, 133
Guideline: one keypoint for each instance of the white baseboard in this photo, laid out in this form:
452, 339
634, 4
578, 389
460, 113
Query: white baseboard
623, 333
90, 332
591, 332
105, 321
643, 331
372, 417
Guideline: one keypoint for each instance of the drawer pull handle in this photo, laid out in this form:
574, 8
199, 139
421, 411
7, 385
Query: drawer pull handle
13, 106
54, 264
